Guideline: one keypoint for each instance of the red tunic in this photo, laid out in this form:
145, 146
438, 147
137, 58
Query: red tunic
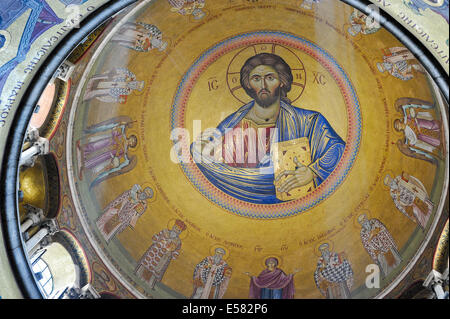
246, 144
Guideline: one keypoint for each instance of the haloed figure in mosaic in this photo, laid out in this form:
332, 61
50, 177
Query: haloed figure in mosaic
269, 151
379, 244
272, 282
113, 87
421, 130
104, 150
141, 37
211, 276
165, 246
334, 274
124, 211
400, 63
361, 23
410, 197
188, 7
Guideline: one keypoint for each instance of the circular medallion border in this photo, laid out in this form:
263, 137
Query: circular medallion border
294, 207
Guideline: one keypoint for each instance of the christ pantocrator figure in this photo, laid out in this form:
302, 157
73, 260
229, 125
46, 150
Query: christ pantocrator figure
305, 146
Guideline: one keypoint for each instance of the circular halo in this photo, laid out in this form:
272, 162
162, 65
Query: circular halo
157, 52
389, 172
345, 28
233, 70
277, 257
192, 19
214, 247
146, 184
394, 131
139, 93
183, 234
129, 132
363, 211
326, 241
377, 60
169, 42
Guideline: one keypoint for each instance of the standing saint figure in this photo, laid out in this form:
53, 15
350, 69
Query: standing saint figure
308, 4
104, 151
165, 246
188, 7
123, 211
268, 149
272, 282
396, 62
422, 132
141, 37
410, 197
334, 274
211, 276
379, 244
113, 87
361, 23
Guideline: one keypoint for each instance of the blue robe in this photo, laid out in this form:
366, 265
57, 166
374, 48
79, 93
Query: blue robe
419, 5
255, 185
267, 293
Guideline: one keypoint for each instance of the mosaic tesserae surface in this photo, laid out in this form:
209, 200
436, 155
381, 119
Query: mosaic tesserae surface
239, 149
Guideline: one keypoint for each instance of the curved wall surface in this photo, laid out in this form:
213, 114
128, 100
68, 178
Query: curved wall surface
183, 174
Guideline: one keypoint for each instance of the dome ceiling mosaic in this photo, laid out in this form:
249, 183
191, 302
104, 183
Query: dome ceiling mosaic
214, 149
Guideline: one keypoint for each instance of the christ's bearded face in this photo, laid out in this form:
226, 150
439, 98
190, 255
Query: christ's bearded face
265, 85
